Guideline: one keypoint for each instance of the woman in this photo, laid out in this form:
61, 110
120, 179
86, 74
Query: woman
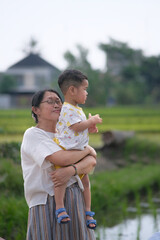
39, 153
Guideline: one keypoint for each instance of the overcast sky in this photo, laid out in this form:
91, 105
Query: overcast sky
59, 25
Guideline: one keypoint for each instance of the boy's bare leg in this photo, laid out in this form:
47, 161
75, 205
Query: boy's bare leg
59, 199
87, 196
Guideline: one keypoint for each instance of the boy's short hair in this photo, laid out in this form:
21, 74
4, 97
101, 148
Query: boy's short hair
70, 77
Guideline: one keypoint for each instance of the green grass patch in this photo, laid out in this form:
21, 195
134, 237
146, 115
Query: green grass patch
13, 217
137, 118
13, 207
110, 188
11, 180
10, 150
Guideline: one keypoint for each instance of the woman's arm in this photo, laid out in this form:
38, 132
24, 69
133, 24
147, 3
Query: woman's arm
64, 158
62, 175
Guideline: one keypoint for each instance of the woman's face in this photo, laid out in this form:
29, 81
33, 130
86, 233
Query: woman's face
49, 108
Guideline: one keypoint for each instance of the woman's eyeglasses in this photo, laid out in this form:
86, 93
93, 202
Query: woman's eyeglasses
53, 102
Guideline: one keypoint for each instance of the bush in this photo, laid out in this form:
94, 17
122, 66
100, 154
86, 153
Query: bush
109, 189
11, 180
13, 218
10, 150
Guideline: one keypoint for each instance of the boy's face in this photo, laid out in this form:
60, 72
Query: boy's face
81, 92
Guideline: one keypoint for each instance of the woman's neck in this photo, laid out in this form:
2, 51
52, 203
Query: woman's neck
48, 127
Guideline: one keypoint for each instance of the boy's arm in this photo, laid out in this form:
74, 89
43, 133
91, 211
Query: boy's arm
83, 125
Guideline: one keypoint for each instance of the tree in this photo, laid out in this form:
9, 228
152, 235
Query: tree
7, 83
150, 70
97, 91
134, 75
130, 78
31, 47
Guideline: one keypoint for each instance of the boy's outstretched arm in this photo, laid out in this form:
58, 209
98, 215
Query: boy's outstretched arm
83, 125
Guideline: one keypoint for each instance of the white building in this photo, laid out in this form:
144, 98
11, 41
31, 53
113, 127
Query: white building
31, 74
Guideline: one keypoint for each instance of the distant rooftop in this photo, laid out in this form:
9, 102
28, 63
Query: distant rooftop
32, 60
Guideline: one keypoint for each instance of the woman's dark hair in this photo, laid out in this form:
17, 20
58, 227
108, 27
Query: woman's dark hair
37, 99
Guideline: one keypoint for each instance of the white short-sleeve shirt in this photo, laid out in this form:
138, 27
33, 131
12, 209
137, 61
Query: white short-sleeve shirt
37, 144
68, 138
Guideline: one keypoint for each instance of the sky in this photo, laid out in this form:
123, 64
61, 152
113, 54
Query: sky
60, 25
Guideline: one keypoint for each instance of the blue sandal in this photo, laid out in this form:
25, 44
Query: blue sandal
88, 222
59, 219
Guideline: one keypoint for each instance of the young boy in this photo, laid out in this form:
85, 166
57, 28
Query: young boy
72, 133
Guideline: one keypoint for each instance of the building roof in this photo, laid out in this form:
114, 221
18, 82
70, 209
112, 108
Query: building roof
32, 60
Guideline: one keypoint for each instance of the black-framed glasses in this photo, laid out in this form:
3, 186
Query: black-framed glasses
53, 102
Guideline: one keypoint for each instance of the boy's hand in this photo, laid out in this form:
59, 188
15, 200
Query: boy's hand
97, 119
93, 128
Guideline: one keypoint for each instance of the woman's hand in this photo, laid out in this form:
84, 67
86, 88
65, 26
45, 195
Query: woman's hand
92, 152
62, 175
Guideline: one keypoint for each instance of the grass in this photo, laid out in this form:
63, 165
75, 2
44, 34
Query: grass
111, 190
13, 207
13, 217
122, 118
7, 138
11, 181
141, 119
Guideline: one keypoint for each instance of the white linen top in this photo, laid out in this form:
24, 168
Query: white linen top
68, 138
37, 144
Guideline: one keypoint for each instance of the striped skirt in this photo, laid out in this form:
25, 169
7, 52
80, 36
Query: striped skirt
42, 223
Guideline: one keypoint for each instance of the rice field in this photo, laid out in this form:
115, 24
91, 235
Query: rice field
144, 120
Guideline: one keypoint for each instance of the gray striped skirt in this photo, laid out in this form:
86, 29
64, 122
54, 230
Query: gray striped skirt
42, 223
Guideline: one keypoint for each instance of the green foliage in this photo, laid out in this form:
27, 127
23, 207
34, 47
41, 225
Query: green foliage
142, 119
13, 207
13, 217
7, 83
98, 82
136, 78
10, 150
11, 180
15, 121
136, 118
123, 49
110, 188
143, 149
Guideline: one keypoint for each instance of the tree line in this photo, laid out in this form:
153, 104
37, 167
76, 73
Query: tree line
129, 77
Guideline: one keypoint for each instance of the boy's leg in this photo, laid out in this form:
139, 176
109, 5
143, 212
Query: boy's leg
87, 196
87, 192
59, 193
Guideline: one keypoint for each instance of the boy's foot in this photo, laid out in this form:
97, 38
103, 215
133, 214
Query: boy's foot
62, 216
91, 223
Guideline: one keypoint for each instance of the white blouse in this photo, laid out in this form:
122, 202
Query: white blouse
37, 144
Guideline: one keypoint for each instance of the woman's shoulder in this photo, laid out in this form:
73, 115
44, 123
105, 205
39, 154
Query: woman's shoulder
30, 131
35, 133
